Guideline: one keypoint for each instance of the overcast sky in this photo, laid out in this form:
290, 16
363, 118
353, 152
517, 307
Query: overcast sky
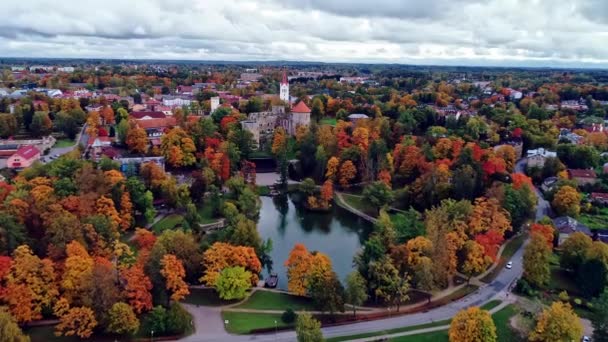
454, 32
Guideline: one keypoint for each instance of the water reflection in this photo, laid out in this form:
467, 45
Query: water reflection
338, 233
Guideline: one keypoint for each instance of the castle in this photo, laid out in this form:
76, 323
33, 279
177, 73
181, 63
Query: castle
262, 124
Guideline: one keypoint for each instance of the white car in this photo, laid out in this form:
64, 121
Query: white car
586, 339
509, 265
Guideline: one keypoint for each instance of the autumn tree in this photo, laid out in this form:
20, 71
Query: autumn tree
222, 255
308, 329
122, 319
378, 195
537, 255
78, 321
573, 250
356, 290
557, 323
137, 288
178, 148
174, 273
137, 139
471, 325
9, 329
348, 172
567, 201
78, 274
545, 230
144, 239
233, 283
599, 318
332, 168
31, 285
474, 259
298, 265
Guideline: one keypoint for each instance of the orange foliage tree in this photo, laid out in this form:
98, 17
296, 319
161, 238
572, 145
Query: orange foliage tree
545, 230
348, 172
137, 288
222, 255
174, 273
298, 266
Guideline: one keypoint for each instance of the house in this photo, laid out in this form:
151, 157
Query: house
356, 117
567, 226
300, 116
537, 157
24, 157
250, 77
582, 176
573, 138
548, 183
599, 198
147, 115
174, 101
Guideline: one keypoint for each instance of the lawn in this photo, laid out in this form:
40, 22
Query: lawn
501, 320
245, 322
267, 300
510, 248
597, 221
359, 203
328, 121
205, 297
167, 222
390, 331
263, 190
60, 143
206, 214
260, 154
491, 304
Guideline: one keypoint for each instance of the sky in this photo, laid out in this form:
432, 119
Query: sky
572, 33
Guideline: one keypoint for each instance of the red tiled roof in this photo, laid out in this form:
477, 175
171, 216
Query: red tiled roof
599, 196
581, 173
156, 123
27, 151
154, 115
301, 107
101, 139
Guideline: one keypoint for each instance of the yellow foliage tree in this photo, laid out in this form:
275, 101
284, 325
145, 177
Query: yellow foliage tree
557, 323
332, 168
472, 325
348, 172
174, 273
79, 321
298, 266
567, 201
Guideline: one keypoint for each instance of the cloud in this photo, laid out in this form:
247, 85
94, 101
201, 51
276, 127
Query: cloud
499, 32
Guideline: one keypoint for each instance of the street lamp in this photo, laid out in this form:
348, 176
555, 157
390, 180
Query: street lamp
151, 335
276, 329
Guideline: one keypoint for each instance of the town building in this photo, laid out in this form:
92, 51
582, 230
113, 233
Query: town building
582, 176
356, 117
537, 157
24, 157
215, 103
284, 89
566, 226
300, 116
599, 198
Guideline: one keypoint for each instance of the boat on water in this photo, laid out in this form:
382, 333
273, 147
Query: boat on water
271, 281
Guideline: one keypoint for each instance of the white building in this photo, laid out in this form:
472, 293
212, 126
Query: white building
215, 103
284, 89
65, 69
537, 157
172, 101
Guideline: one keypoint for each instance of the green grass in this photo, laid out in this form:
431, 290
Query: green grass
390, 331
510, 248
491, 304
260, 154
359, 203
167, 222
435, 336
205, 297
328, 121
206, 214
267, 300
64, 143
245, 322
595, 221
501, 320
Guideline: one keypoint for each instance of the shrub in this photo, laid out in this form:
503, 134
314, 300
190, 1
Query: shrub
563, 296
289, 316
524, 288
174, 321
578, 301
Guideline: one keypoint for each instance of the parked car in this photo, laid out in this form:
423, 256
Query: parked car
509, 265
586, 339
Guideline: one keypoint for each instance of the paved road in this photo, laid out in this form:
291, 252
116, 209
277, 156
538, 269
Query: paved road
481, 296
81, 139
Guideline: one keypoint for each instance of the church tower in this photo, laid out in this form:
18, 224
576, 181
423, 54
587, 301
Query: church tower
284, 89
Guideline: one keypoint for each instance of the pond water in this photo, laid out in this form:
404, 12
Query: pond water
337, 233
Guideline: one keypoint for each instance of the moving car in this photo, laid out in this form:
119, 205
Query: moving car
509, 265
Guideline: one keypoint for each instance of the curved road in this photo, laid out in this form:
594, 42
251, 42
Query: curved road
481, 296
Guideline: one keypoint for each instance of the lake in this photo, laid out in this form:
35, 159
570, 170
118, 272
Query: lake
337, 233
